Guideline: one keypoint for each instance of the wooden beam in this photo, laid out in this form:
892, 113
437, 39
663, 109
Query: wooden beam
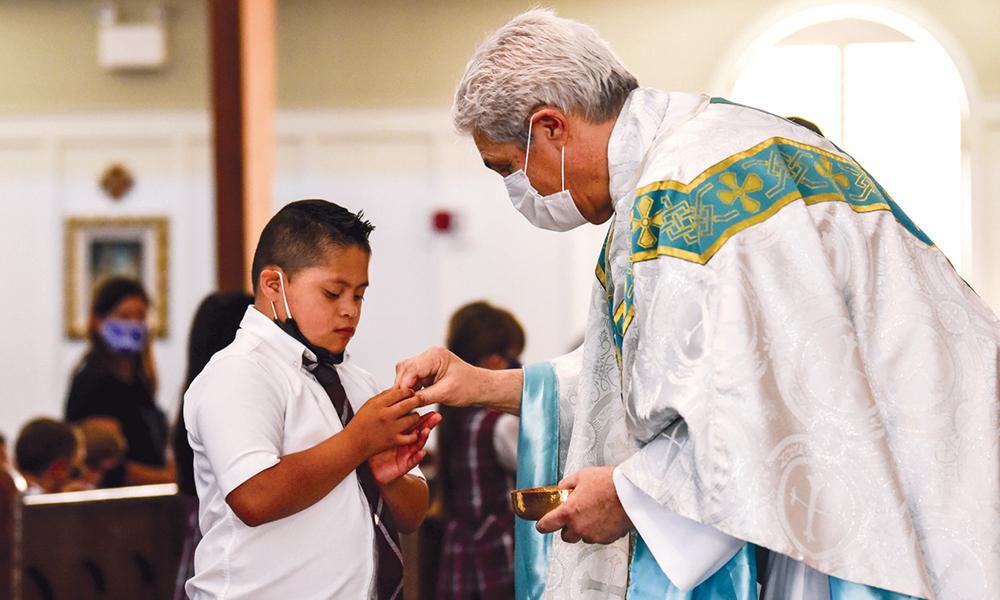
243, 98
227, 127
258, 26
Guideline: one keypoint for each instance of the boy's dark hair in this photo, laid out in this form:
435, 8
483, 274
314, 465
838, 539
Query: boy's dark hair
299, 235
41, 442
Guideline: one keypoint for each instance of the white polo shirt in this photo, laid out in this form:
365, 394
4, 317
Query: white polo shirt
253, 404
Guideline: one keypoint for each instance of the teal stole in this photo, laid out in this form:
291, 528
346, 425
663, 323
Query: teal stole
538, 465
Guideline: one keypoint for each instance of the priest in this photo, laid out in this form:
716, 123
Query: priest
783, 380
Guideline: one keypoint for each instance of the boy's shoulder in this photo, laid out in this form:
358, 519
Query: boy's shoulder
245, 360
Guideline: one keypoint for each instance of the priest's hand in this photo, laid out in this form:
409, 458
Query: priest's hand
389, 465
443, 378
592, 513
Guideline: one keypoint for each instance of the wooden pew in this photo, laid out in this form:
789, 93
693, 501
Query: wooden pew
121, 543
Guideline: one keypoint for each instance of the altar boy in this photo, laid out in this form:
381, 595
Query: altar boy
305, 473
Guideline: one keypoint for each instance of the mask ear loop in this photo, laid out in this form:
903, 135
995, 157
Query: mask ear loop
562, 168
288, 311
527, 148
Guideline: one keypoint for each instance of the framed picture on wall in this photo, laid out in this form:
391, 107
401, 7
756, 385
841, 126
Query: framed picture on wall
101, 247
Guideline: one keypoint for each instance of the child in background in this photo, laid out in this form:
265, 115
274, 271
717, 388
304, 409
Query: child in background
105, 446
46, 453
305, 472
478, 449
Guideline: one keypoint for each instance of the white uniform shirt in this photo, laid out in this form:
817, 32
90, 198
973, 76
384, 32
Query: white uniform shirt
254, 403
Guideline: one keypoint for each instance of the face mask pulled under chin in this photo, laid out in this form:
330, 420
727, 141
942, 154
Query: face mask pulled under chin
290, 327
555, 212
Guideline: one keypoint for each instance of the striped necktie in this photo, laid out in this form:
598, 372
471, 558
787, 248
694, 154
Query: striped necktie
389, 564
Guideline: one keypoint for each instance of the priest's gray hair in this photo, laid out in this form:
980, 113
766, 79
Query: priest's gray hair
539, 59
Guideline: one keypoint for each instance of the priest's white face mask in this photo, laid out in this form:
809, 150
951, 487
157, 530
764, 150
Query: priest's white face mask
555, 212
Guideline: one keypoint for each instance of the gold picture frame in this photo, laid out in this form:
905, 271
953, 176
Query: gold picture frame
99, 247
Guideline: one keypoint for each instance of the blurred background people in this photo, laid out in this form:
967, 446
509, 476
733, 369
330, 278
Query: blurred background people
213, 328
46, 453
104, 447
478, 459
4, 456
116, 378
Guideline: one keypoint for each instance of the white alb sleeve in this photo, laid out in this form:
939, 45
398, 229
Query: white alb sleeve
688, 552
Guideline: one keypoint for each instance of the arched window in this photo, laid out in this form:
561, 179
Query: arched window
882, 89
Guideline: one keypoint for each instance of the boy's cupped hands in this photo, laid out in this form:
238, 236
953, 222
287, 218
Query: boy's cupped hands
393, 434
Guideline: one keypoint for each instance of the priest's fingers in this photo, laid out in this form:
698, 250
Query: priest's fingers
554, 521
570, 481
440, 393
570, 535
420, 368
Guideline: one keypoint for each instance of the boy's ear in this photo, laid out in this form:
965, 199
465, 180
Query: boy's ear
269, 285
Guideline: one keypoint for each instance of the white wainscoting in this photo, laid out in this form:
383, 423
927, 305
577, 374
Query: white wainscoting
398, 166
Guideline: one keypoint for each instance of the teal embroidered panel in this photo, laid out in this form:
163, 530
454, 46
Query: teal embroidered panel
692, 221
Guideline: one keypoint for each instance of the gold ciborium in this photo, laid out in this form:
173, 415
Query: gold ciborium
533, 503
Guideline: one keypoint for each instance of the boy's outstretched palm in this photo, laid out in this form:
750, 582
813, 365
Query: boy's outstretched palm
389, 465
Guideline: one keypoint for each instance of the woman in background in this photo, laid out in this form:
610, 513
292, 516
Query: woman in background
117, 379
213, 328
478, 449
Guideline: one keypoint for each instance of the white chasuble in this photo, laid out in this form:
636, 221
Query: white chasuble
775, 350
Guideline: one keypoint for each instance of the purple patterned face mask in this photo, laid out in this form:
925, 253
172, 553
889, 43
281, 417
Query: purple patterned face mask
123, 336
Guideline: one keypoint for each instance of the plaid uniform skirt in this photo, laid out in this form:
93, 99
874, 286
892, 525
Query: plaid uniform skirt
478, 565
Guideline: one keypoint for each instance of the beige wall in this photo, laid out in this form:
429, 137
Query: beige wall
391, 53
394, 52
48, 59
